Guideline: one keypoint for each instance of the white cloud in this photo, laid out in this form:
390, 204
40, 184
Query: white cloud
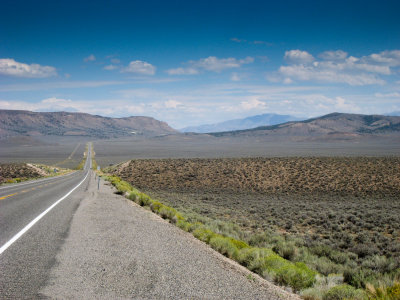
10, 67
333, 55
140, 67
388, 58
183, 71
342, 105
212, 64
235, 77
252, 104
388, 95
115, 60
110, 67
172, 104
56, 85
337, 67
298, 57
316, 73
91, 57
215, 64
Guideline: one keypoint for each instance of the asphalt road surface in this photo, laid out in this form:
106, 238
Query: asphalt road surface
33, 226
94, 244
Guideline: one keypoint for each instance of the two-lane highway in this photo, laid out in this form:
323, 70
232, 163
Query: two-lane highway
34, 221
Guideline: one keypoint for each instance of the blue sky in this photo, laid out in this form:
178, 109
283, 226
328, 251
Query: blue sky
197, 62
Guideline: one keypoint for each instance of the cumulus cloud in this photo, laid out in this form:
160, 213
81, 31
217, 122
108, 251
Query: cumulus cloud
140, 67
215, 64
387, 58
172, 104
91, 57
110, 67
333, 55
252, 104
212, 64
319, 73
298, 57
10, 67
337, 67
183, 71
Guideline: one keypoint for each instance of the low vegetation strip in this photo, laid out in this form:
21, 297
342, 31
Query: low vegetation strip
14, 173
263, 261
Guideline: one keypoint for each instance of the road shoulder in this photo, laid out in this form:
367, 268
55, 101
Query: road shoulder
117, 249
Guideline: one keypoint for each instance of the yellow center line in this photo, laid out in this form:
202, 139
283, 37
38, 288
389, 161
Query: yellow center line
4, 197
25, 191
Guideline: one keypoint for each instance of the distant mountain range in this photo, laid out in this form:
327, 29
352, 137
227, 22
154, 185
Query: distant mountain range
393, 113
329, 127
22, 126
238, 124
26, 123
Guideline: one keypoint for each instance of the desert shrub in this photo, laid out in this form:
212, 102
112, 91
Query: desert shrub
343, 291
322, 285
167, 212
297, 276
144, 200
182, 224
321, 250
286, 249
155, 206
380, 264
269, 264
203, 234
238, 244
358, 277
258, 239
224, 246
339, 257
252, 258
121, 186
133, 196
325, 266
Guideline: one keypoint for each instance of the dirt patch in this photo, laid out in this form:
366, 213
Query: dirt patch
18, 172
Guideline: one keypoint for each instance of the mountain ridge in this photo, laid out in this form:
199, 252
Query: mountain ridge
28, 123
243, 123
334, 125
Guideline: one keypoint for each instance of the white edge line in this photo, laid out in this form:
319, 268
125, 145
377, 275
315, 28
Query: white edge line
34, 221
35, 181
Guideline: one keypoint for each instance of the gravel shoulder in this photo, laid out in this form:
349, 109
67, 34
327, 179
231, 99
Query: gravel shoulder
117, 249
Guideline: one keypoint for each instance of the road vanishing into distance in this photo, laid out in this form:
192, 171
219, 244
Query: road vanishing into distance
34, 220
72, 237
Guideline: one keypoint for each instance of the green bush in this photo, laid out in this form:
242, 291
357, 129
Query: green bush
224, 246
203, 234
144, 200
343, 291
155, 206
167, 212
286, 249
297, 276
182, 224
238, 244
